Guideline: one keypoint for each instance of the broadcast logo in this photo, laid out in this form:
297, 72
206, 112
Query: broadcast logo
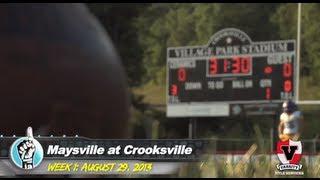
26, 152
289, 153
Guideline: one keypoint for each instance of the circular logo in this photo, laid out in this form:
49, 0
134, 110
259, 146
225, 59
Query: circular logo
26, 153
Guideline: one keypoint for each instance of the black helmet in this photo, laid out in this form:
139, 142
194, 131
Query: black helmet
289, 106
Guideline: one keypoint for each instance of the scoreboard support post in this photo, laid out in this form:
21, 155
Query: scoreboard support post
275, 131
275, 134
271, 144
192, 128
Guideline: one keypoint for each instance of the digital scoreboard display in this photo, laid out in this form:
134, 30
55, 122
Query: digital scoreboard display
231, 69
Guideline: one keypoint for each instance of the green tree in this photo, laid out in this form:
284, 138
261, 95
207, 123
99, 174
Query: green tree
250, 18
286, 19
118, 18
166, 25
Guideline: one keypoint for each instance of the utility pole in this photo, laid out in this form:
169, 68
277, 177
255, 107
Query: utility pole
298, 52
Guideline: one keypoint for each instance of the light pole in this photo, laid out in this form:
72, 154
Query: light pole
298, 52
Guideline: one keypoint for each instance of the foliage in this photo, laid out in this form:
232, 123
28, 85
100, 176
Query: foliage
143, 32
286, 19
169, 25
118, 21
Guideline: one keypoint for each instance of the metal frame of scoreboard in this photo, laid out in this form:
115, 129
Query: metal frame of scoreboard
221, 108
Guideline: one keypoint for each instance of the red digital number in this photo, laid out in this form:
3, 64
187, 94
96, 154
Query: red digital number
245, 65
287, 86
213, 66
236, 65
225, 65
268, 93
182, 74
287, 70
268, 70
174, 90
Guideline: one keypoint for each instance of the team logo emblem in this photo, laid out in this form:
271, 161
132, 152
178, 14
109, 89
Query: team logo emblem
26, 152
289, 153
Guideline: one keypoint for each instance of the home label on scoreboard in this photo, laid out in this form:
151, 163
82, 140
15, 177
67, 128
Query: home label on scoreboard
230, 69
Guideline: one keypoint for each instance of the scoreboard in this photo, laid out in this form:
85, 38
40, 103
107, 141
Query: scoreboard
230, 69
